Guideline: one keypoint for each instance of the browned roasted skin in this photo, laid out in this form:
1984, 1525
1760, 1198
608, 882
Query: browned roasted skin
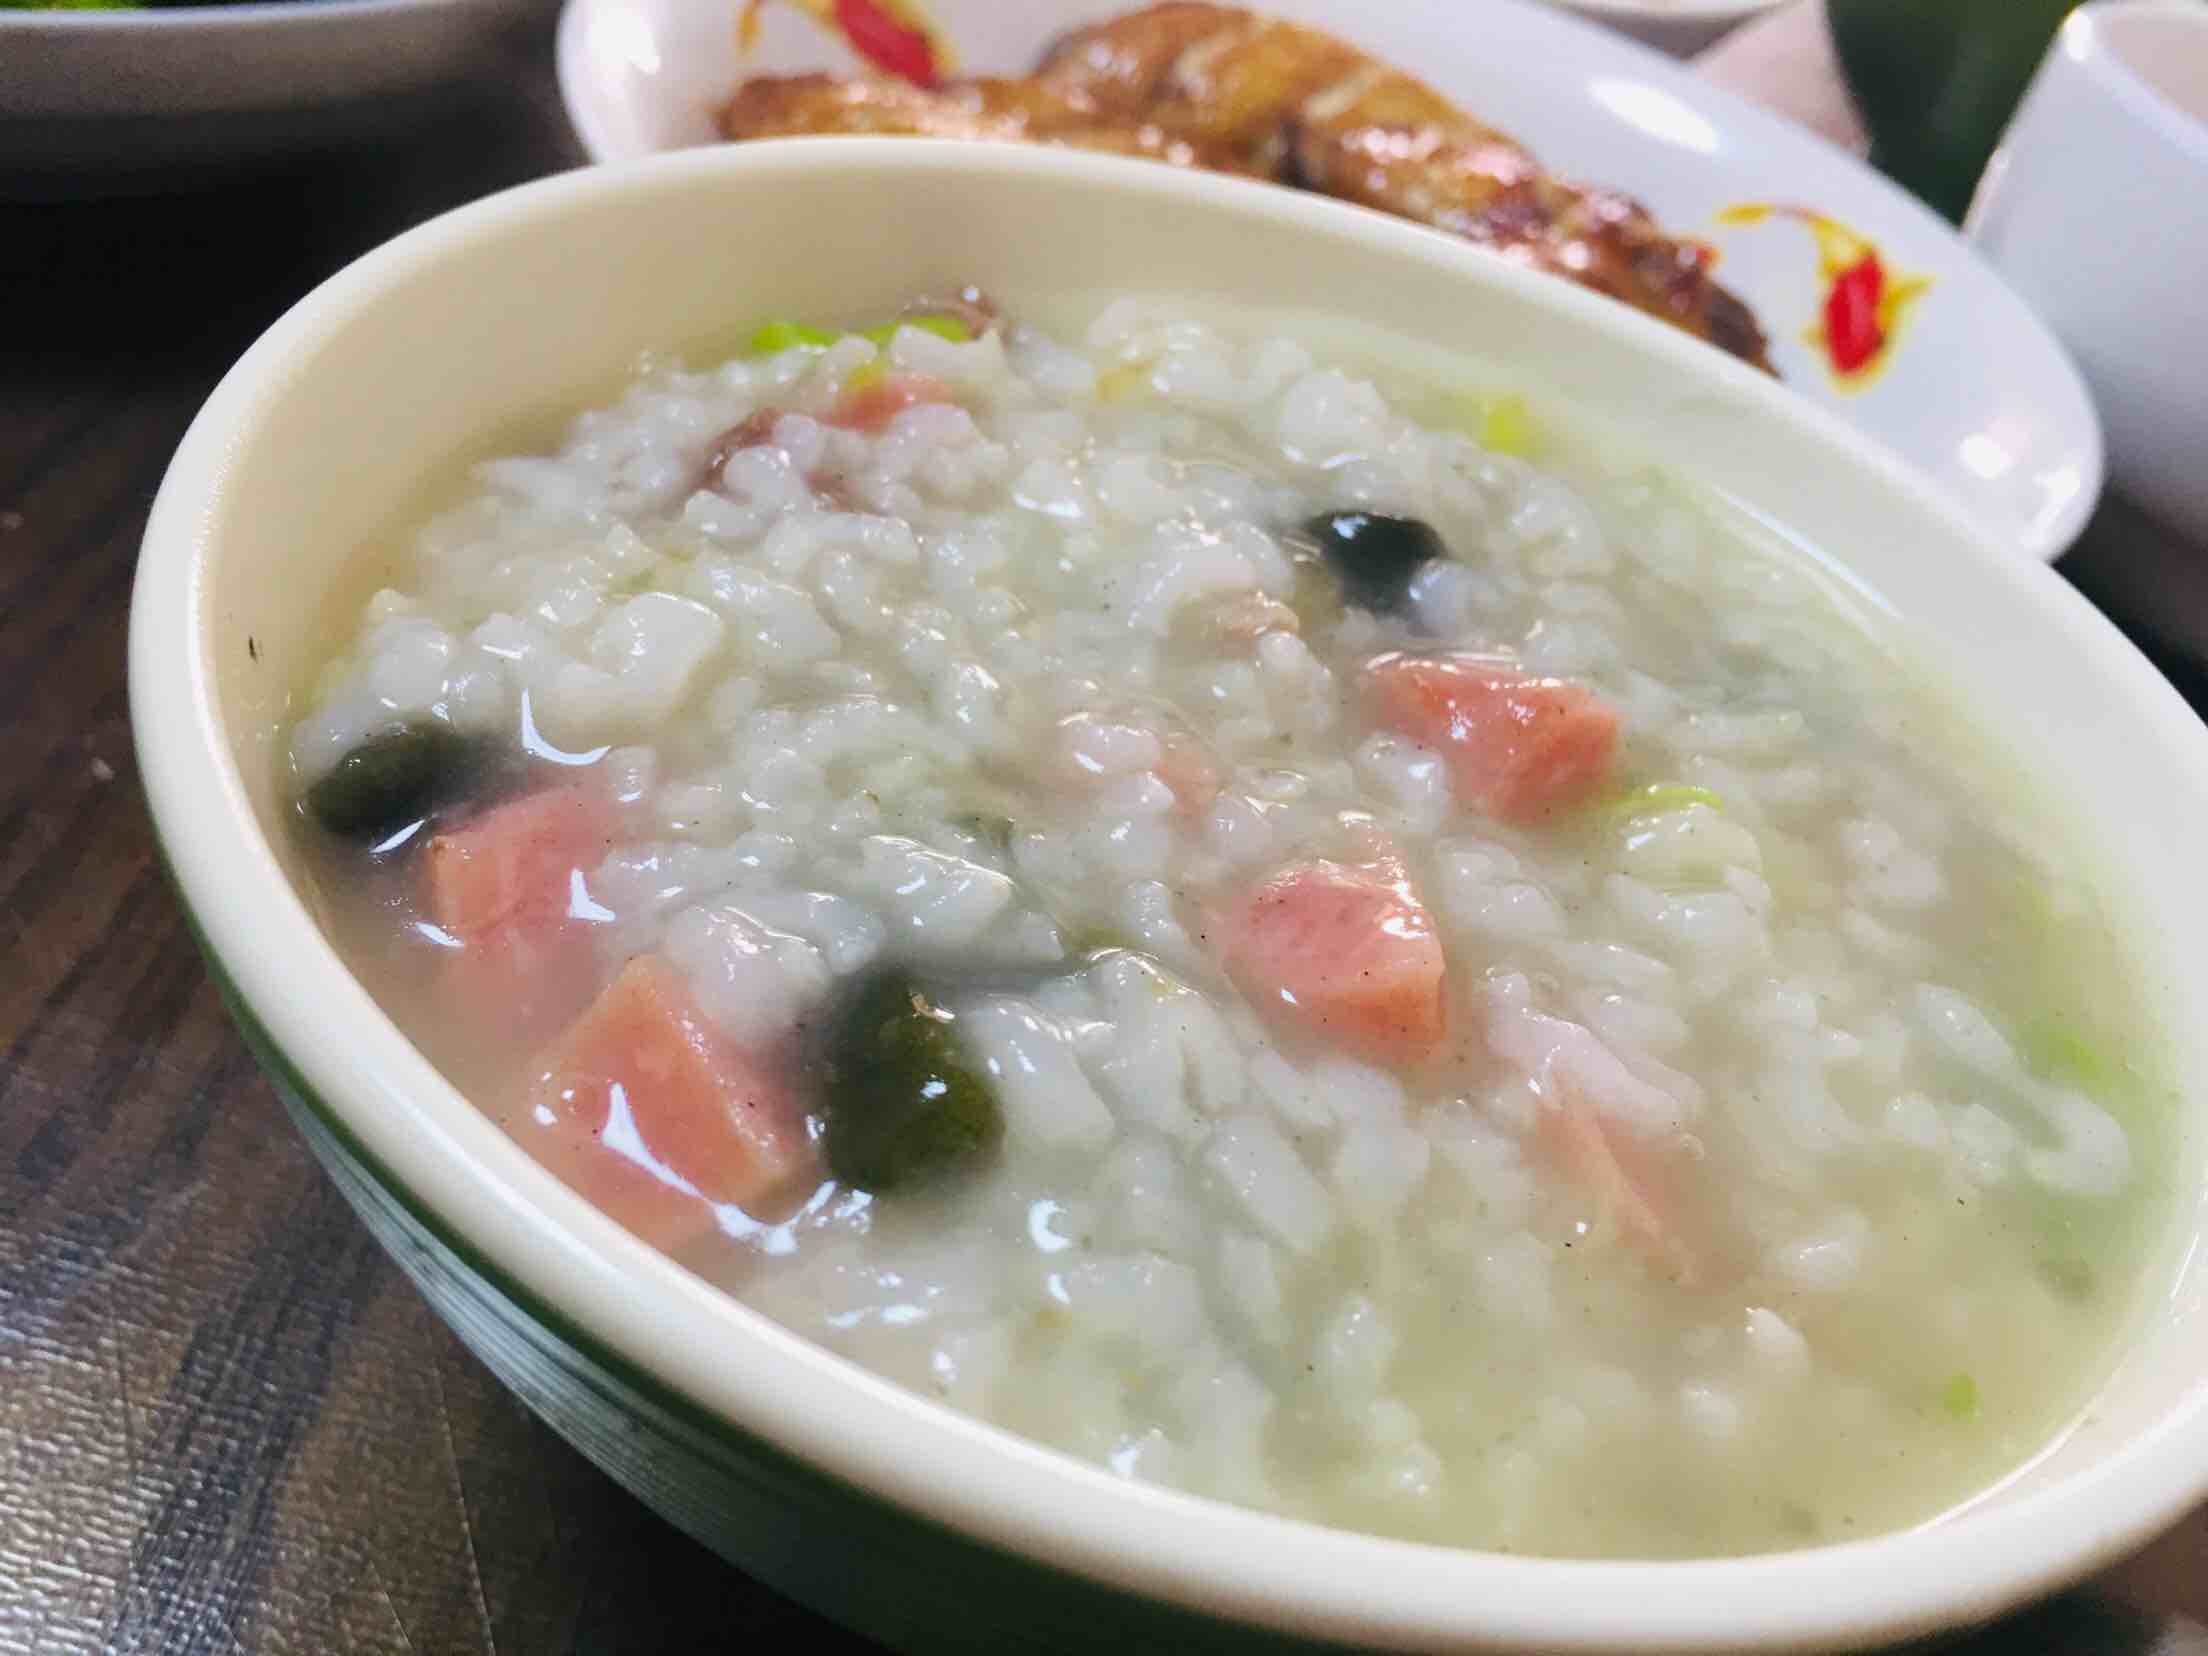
1374, 139
1008, 110
784, 106
1219, 77
1305, 108
1226, 89
1120, 66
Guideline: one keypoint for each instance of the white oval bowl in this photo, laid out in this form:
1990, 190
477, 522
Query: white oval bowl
875, 1504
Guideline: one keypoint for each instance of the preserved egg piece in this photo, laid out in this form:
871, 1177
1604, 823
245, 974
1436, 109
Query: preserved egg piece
1374, 556
900, 1105
400, 777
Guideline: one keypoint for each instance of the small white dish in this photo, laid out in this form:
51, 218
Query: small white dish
2092, 207
1680, 28
90, 100
1975, 391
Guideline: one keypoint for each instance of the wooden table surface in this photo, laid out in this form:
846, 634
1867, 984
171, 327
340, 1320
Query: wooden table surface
226, 1421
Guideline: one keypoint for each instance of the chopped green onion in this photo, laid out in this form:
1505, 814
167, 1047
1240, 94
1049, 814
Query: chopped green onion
771, 337
2056, 1053
943, 327
1959, 1397
1506, 426
1117, 384
1658, 797
2053, 1048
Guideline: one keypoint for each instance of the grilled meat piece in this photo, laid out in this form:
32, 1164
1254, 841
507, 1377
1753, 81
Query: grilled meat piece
1213, 74
1374, 139
1308, 109
1226, 89
781, 106
985, 107
1121, 65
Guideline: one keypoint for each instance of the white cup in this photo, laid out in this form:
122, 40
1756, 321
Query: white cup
2095, 208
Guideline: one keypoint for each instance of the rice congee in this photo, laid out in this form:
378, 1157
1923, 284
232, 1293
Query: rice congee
1301, 930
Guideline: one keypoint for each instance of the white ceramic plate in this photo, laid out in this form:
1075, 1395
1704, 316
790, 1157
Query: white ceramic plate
93, 98
1974, 390
1679, 27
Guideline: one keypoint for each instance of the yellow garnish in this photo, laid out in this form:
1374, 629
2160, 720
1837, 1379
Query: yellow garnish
1959, 1397
1128, 378
1659, 797
1507, 427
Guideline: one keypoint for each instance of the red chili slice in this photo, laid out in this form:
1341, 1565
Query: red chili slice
886, 43
1852, 333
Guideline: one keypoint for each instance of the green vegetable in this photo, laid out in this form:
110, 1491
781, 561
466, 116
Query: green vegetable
1959, 1397
1117, 384
943, 327
2059, 1054
899, 1105
1506, 426
1659, 797
397, 778
771, 337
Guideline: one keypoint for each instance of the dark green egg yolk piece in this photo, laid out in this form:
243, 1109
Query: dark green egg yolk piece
900, 1105
397, 778
1375, 556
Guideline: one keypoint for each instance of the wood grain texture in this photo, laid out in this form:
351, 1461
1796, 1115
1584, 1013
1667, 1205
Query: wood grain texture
226, 1422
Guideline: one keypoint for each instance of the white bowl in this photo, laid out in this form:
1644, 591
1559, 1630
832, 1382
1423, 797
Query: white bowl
101, 97
2117, 115
874, 1504
1679, 27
